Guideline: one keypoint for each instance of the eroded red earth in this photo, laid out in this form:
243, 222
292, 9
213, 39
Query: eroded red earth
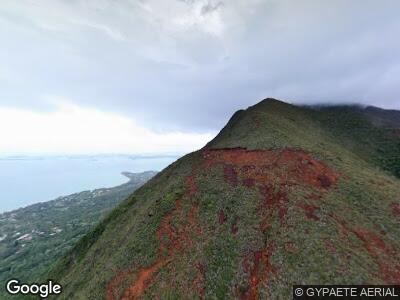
287, 166
172, 241
272, 173
257, 266
396, 208
379, 251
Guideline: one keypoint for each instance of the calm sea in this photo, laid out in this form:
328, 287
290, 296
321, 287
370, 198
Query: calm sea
25, 180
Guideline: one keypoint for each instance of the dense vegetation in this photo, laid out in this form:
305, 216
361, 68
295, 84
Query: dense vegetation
283, 195
372, 133
33, 237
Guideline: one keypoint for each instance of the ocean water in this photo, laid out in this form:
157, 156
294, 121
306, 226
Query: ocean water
28, 180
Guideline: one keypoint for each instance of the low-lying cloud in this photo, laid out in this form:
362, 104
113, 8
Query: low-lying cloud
71, 129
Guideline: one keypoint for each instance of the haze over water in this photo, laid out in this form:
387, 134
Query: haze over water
28, 180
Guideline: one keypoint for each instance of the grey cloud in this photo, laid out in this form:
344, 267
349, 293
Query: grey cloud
210, 7
190, 64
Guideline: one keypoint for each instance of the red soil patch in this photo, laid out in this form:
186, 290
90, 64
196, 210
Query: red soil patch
274, 201
230, 174
391, 274
265, 225
282, 213
297, 166
191, 187
315, 197
325, 181
222, 217
143, 280
372, 242
259, 269
115, 283
192, 219
395, 208
384, 255
172, 241
249, 182
309, 211
234, 226
271, 172
200, 279
271, 169
169, 242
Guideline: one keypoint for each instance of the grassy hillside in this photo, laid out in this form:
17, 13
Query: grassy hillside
34, 237
283, 195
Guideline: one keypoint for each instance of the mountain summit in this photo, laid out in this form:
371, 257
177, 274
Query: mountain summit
283, 195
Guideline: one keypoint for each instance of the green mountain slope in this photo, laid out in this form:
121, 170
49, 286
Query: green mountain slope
34, 237
283, 195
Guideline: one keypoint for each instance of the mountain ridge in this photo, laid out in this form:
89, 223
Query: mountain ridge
230, 220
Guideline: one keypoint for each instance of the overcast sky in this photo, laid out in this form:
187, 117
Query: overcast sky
134, 76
